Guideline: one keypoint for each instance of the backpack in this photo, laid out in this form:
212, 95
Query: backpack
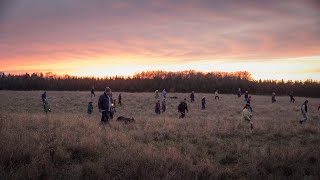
181, 107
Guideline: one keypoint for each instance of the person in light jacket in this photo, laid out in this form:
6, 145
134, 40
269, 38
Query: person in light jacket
246, 115
304, 111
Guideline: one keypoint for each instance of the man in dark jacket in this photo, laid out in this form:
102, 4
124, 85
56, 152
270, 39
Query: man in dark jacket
292, 100
119, 99
192, 96
92, 92
203, 103
104, 105
157, 107
182, 108
164, 105
44, 97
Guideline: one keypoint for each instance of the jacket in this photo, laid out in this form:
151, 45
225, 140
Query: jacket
104, 102
246, 115
304, 108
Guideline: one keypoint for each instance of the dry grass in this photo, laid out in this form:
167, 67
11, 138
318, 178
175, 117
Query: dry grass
68, 143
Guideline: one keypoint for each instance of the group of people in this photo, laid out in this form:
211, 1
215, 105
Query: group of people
159, 107
106, 105
247, 110
203, 100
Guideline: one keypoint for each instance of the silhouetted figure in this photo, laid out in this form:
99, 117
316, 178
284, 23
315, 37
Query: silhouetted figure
46, 107
249, 102
164, 105
192, 96
292, 100
182, 108
273, 98
90, 108
120, 99
304, 111
203, 103
92, 92
216, 95
105, 104
44, 97
246, 95
156, 94
45, 102
157, 108
239, 92
113, 108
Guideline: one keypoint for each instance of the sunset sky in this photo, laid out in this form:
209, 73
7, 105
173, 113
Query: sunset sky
272, 39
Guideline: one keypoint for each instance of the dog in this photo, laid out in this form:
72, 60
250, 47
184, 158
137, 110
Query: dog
173, 97
126, 120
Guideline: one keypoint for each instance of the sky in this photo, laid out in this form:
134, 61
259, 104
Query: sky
271, 39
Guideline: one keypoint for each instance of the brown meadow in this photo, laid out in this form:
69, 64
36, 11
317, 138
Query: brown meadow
207, 144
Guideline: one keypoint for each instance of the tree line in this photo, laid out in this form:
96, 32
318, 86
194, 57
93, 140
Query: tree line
183, 81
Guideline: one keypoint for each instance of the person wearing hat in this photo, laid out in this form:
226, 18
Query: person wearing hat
104, 105
246, 115
304, 111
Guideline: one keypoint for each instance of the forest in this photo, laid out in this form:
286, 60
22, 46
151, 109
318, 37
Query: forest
183, 81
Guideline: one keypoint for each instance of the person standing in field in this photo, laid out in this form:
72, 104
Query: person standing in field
239, 92
44, 97
92, 92
216, 95
182, 108
45, 102
304, 111
156, 94
164, 105
192, 96
120, 99
249, 102
246, 115
157, 108
292, 100
203, 103
164, 93
273, 97
246, 95
104, 105
90, 108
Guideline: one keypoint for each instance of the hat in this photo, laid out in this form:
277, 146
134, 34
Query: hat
107, 89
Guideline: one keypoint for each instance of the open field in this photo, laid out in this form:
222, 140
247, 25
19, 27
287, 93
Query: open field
69, 143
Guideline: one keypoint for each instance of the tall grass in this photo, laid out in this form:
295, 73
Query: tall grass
68, 143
